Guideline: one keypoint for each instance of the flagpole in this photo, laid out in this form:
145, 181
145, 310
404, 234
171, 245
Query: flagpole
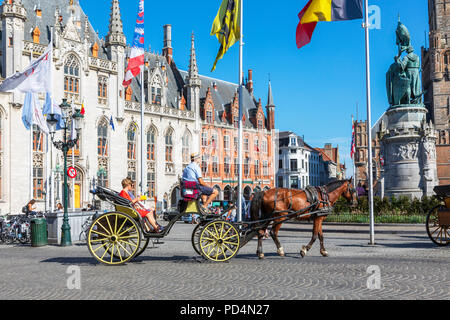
241, 99
142, 131
31, 143
369, 124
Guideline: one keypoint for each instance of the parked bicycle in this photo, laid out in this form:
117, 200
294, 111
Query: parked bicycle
17, 229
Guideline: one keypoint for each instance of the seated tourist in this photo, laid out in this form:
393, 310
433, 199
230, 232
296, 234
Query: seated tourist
193, 173
127, 193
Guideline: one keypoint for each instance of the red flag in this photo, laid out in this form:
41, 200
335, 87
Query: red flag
304, 31
353, 151
83, 111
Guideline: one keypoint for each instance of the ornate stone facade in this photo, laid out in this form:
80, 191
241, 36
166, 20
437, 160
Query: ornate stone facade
89, 70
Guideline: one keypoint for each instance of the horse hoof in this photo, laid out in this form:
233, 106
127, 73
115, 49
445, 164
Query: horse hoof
261, 256
281, 252
303, 251
324, 253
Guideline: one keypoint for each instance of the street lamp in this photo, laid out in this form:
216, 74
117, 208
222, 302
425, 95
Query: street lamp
58, 173
64, 146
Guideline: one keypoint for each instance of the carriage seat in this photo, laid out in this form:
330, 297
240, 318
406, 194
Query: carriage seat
106, 194
189, 190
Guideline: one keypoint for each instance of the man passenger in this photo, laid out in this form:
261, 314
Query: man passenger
193, 173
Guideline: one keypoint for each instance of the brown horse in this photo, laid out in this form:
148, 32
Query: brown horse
286, 204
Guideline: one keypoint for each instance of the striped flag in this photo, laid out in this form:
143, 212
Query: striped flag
325, 10
137, 60
226, 27
353, 151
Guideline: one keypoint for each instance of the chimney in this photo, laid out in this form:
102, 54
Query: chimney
167, 50
250, 82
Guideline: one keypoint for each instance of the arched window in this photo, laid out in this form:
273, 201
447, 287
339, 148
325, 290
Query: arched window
102, 144
169, 146
38, 163
103, 153
131, 153
131, 138
102, 90
168, 137
186, 144
151, 144
72, 77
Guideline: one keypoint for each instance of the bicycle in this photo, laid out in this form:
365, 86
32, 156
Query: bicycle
85, 227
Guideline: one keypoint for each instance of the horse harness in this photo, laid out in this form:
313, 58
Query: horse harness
312, 196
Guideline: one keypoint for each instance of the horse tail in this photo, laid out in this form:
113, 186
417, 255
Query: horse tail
255, 205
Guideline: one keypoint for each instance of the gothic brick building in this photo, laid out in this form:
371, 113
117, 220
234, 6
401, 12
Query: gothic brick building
436, 81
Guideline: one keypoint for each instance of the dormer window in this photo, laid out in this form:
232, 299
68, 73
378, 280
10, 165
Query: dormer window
209, 117
156, 91
36, 35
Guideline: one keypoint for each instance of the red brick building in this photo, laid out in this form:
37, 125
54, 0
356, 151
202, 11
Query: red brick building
436, 81
219, 112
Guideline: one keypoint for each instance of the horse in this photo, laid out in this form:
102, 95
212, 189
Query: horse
280, 205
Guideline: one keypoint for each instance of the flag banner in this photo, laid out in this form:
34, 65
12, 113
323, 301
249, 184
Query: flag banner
353, 151
111, 122
83, 110
325, 10
35, 78
226, 27
56, 111
32, 113
137, 60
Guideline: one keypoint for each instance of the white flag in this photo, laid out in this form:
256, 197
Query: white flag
32, 113
36, 77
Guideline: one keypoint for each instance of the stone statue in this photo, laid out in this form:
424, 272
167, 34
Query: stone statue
403, 78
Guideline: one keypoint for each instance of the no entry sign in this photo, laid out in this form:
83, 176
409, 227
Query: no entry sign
72, 172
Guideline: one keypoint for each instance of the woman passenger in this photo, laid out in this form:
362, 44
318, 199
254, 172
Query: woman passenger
127, 193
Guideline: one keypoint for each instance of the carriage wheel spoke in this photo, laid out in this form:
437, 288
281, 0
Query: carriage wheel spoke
130, 244
109, 224
98, 223
234, 235
232, 243
98, 240
105, 252
129, 254
120, 234
99, 233
112, 253
100, 247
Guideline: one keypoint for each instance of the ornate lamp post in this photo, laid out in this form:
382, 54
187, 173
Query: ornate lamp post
58, 173
64, 146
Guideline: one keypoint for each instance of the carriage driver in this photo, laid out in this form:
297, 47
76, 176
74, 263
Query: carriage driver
193, 173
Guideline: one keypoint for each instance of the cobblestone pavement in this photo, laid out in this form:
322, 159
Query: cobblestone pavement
411, 267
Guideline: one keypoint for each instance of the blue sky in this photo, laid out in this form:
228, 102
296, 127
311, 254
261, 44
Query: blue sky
317, 88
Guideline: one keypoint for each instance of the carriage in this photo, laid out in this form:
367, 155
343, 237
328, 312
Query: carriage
117, 237
438, 219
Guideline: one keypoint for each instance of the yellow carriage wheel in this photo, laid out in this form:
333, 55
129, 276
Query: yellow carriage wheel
439, 234
219, 241
114, 238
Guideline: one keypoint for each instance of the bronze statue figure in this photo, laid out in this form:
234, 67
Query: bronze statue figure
403, 78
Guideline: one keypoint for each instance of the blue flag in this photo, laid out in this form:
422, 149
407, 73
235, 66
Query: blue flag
111, 122
56, 111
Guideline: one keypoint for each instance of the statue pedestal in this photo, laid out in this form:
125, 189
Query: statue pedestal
408, 144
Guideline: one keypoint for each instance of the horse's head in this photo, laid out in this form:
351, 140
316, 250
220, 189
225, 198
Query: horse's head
350, 193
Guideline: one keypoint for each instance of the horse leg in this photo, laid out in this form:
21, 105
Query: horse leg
305, 249
259, 251
323, 251
274, 235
